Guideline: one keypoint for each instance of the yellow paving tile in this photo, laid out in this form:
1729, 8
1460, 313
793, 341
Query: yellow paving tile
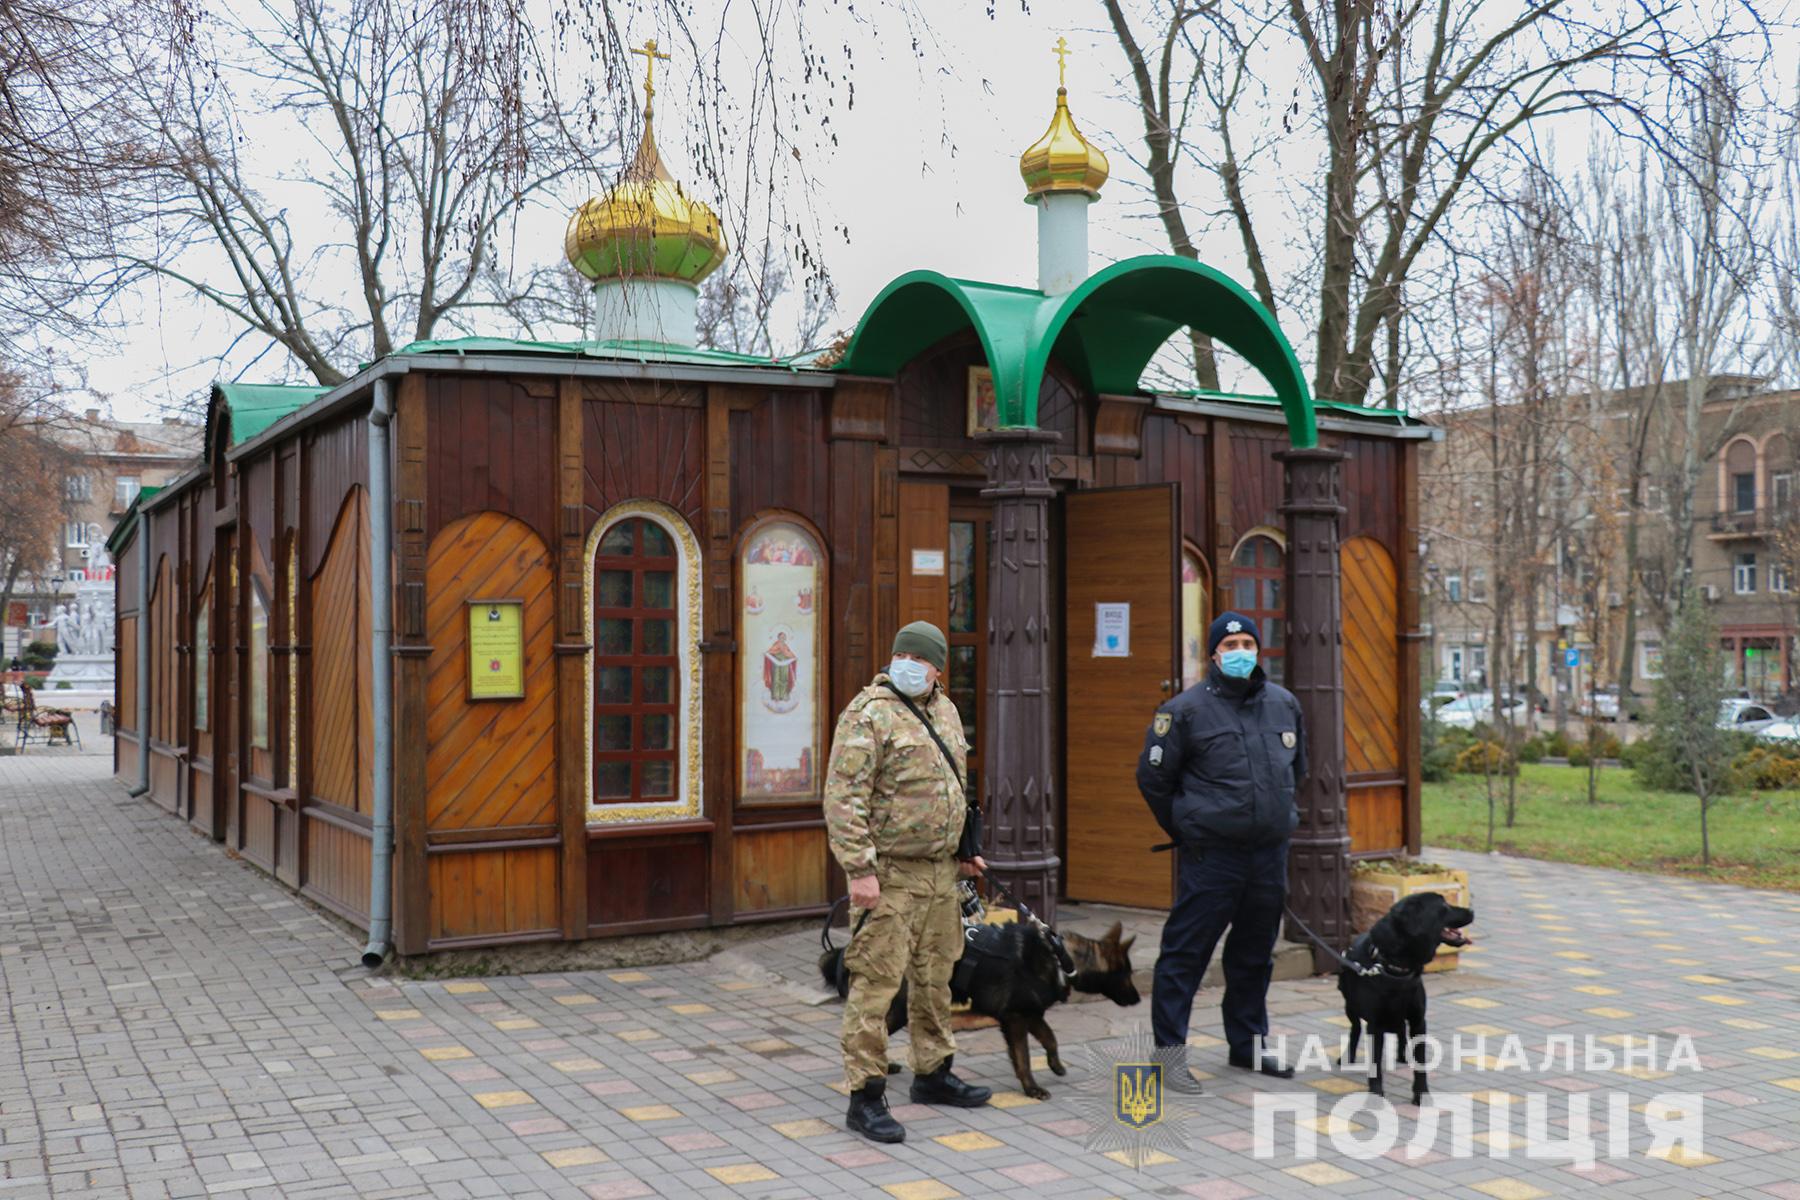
1337, 1085
1338, 1019
570, 1066
690, 1010
1501, 1139
1150, 1158
920, 1189
628, 977
737, 985
1594, 989
1572, 954
1792, 1085
768, 1046
1565, 941
1204, 1041
1611, 1014
969, 1141
466, 988
1641, 1072
1474, 1002
1682, 962
1773, 1052
1745, 1023
1483, 1030
512, 1023
575, 1156
742, 1173
576, 999
1704, 979
398, 1014
1321, 1174
1584, 972
810, 1127
1493, 1096
636, 1035
649, 1112
709, 1078
1731, 1000
1011, 1100
1510, 1189
446, 1053
503, 1099
1682, 1156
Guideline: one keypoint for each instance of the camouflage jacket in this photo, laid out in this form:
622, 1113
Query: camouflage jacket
888, 791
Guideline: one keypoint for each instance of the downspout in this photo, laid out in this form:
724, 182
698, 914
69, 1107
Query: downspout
381, 629
143, 658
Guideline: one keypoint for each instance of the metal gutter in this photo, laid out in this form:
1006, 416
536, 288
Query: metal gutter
346, 393
1209, 408
143, 662
381, 636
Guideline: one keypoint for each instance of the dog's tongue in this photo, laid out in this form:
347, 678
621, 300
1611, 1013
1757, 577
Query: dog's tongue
1456, 937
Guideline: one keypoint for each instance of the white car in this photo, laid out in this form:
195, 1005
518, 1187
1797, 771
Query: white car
1746, 716
1786, 729
1466, 712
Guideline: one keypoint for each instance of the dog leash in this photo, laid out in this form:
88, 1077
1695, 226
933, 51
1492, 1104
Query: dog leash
1374, 968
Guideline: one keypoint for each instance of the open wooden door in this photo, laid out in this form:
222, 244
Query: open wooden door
1122, 556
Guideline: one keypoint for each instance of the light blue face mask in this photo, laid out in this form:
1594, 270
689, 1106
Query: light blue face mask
909, 676
1237, 663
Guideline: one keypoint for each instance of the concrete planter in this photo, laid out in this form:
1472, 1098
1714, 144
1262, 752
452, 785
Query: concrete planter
1373, 892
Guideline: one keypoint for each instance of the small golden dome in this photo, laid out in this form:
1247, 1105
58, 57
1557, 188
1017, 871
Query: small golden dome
646, 226
1062, 160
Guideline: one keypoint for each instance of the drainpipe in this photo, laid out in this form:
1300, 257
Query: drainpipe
143, 658
381, 628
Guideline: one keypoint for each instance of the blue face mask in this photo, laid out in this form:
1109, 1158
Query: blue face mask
909, 676
1237, 663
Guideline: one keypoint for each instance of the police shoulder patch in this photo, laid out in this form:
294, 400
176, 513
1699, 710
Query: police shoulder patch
1162, 724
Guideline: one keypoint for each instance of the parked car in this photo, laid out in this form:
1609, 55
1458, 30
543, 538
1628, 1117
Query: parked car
1746, 716
1601, 702
1465, 712
1782, 729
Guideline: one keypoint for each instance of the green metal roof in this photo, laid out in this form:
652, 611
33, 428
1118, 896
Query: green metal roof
1391, 416
629, 351
128, 521
256, 406
1106, 331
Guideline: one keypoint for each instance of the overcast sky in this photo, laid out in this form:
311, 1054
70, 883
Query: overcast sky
925, 174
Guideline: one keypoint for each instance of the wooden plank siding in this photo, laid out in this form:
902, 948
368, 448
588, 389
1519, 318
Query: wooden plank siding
1371, 647
490, 766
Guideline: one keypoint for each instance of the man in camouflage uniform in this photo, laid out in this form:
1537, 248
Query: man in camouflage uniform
894, 806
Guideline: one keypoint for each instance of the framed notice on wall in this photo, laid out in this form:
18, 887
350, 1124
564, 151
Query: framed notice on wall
496, 649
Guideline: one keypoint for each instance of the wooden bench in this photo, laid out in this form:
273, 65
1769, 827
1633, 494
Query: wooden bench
51, 726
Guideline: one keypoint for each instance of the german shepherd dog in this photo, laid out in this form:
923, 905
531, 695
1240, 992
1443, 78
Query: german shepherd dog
1384, 983
1018, 977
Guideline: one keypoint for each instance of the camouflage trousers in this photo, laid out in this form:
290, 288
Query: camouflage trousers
915, 934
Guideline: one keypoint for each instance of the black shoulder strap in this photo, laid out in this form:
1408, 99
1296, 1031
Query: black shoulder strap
929, 728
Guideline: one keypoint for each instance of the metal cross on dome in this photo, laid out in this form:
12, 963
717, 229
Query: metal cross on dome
650, 57
1061, 50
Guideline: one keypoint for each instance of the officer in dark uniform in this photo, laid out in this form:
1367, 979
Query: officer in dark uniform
1220, 769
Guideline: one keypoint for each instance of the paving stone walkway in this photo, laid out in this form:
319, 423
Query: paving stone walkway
175, 1024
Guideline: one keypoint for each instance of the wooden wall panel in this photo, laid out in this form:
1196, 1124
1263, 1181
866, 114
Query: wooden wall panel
778, 870
1371, 490
1255, 478
1373, 696
641, 880
162, 653
779, 457
337, 459
256, 486
126, 639
636, 450
933, 394
1376, 818
491, 447
925, 526
493, 893
341, 695
851, 532
1175, 452
337, 867
258, 840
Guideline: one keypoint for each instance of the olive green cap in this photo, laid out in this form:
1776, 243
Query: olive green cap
925, 640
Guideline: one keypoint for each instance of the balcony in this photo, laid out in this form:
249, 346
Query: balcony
1739, 527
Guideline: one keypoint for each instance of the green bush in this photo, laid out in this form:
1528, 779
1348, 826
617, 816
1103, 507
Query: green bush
1484, 758
1579, 756
1556, 744
1767, 768
1531, 750
1632, 753
35, 682
38, 656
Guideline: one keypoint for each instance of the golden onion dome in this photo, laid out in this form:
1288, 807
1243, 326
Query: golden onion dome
646, 226
1062, 160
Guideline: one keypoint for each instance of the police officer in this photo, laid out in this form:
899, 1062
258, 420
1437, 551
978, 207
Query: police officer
1220, 769
894, 809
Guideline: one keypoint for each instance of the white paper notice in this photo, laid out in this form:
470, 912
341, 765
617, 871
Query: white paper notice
927, 562
1112, 631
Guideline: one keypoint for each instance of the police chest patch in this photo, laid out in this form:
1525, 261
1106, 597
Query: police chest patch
1287, 738
1160, 726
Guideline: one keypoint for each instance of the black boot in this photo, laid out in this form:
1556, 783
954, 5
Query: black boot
869, 1113
1177, 1077
1261, 1062
941, 1087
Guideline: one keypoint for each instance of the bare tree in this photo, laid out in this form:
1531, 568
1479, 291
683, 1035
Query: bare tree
33, 457
1415, 108
738, 306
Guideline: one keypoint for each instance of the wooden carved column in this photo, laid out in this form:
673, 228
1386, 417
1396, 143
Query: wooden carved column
571, 660
1019, 773
1319, 855
412, 885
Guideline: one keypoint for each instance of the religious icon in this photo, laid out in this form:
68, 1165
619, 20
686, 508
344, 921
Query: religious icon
781, 672
753, 603
984, 402
803, 600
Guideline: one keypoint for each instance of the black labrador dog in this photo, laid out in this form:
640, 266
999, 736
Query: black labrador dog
1015, 976
1384, 985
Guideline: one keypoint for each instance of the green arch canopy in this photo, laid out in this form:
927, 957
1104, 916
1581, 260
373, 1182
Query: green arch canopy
1105, 331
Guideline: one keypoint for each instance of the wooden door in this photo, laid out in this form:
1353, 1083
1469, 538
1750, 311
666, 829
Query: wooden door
1374, 777
1121, 546
966, 628
923, 569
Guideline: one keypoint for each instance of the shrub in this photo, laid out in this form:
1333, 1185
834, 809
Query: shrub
1484, 758
1579, 756
1767, 768
35, 682
1632, 753
1556, 744
38, 656
64, 685
1531, 750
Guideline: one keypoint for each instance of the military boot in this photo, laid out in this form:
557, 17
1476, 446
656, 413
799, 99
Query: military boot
942, 1087
1178, 1078
869, 1113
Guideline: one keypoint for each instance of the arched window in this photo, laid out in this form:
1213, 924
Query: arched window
644, 735
1258, 576
1196, 615
781, 652
203, 655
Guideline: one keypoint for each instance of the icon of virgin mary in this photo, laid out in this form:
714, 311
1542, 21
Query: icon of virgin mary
781, 675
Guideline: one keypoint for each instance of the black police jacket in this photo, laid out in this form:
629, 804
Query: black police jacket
1222, 761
